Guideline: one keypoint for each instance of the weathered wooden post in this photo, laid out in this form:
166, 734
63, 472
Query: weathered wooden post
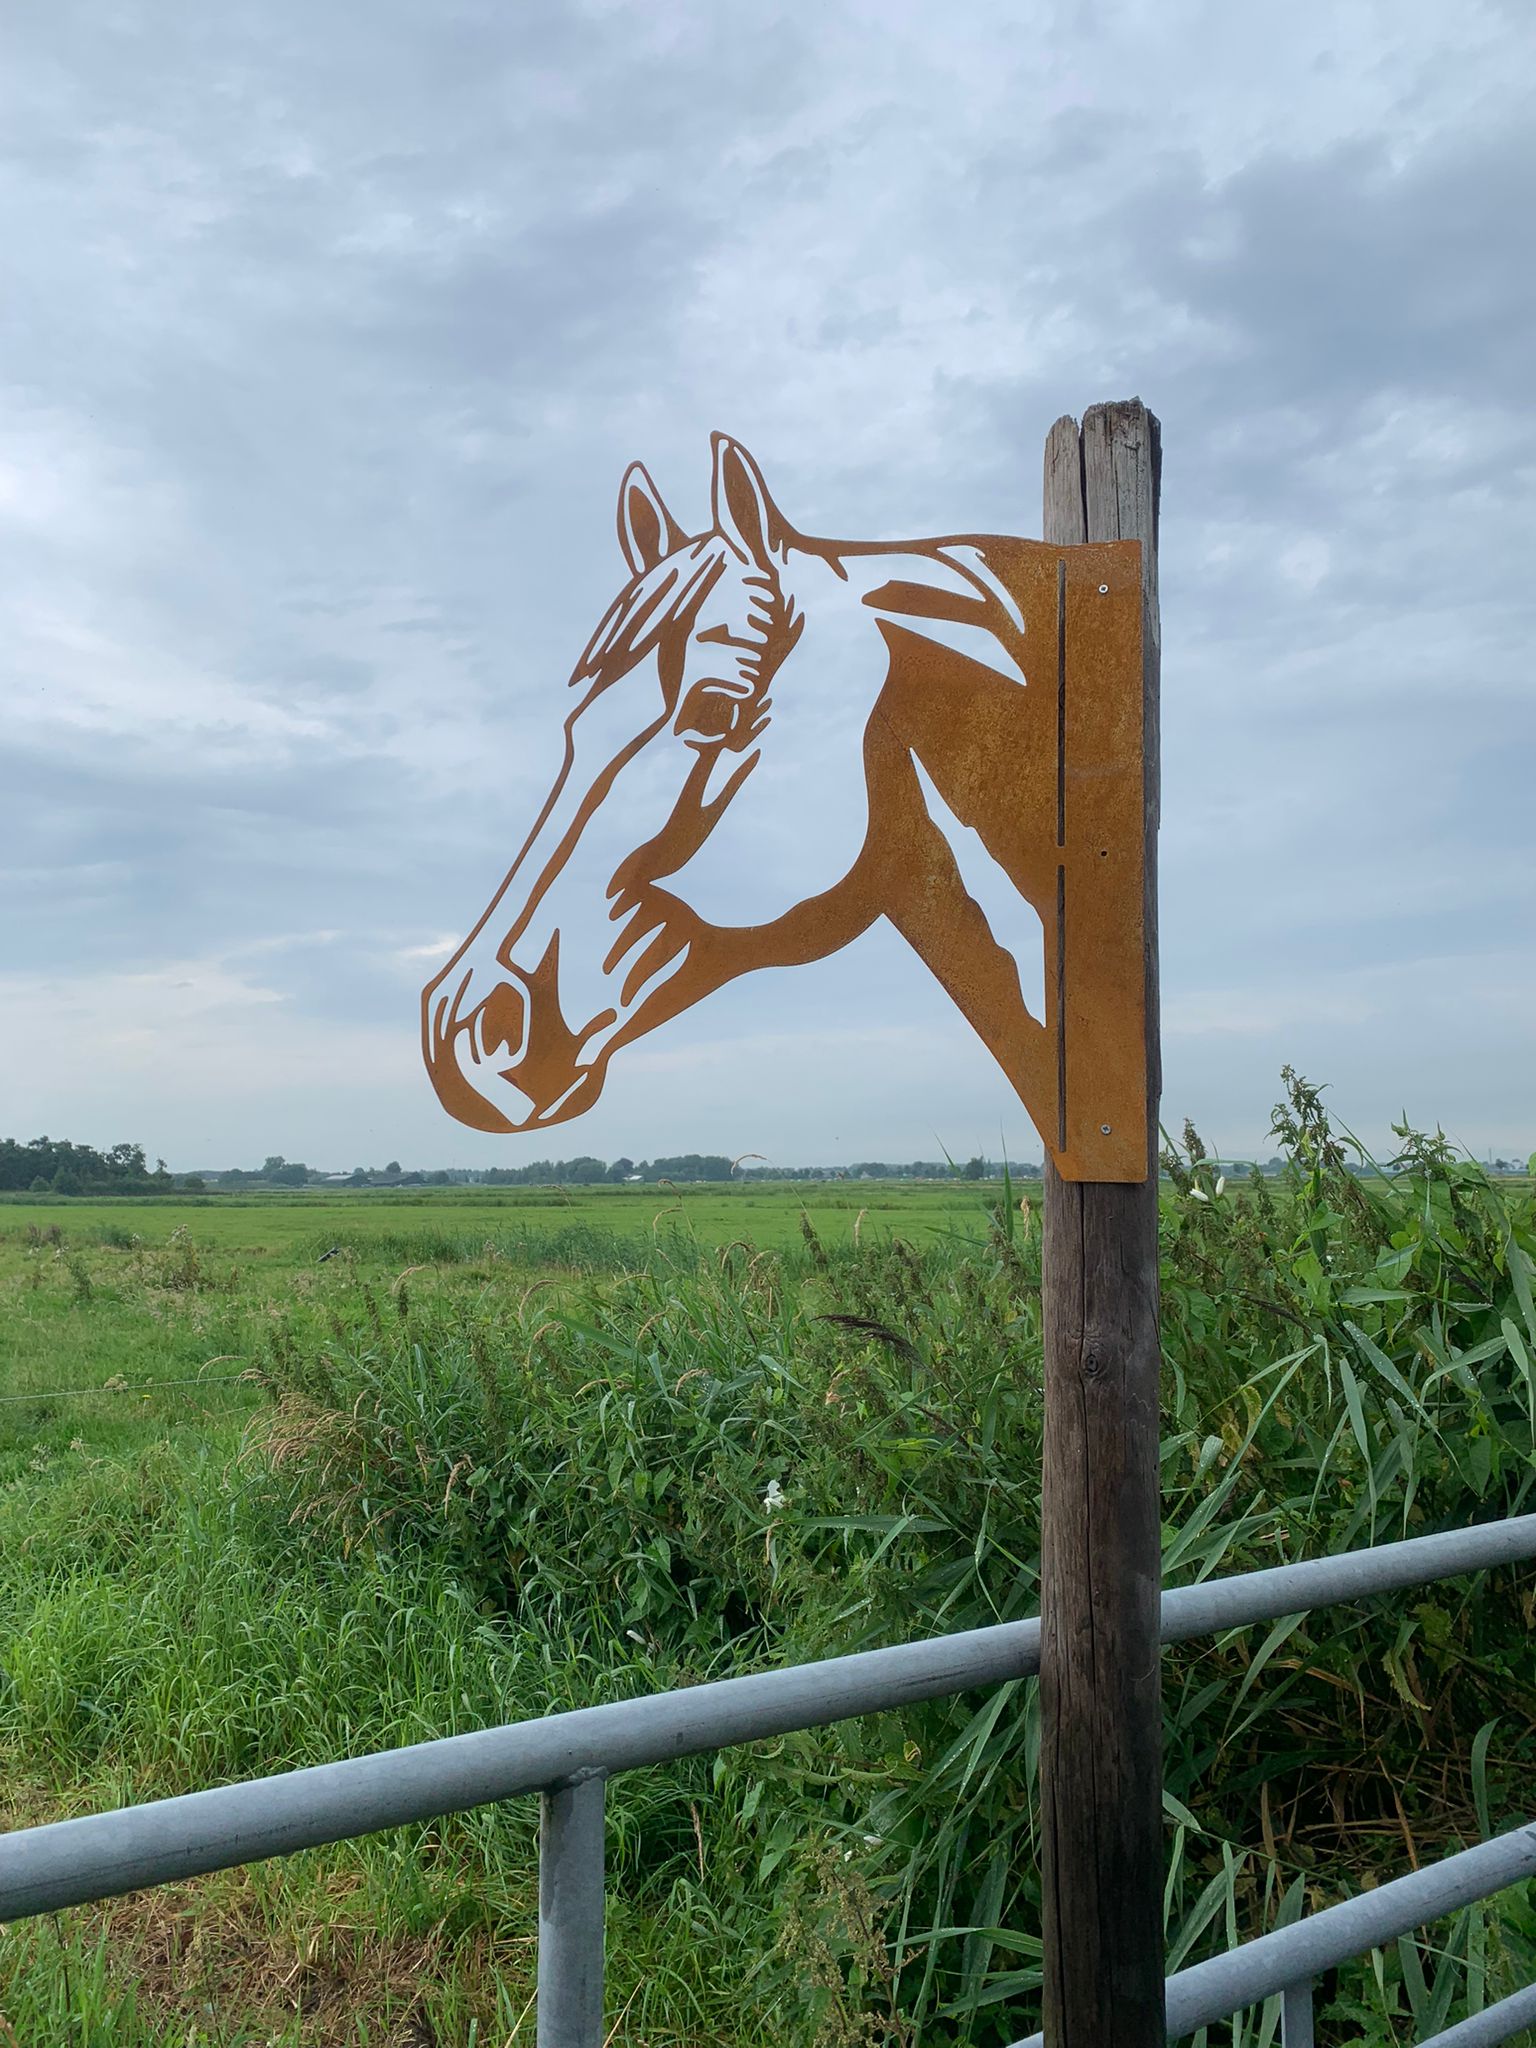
1101, 1759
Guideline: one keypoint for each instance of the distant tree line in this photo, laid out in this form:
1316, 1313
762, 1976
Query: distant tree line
55, 1166
58, 1167
583, 1171
587, 1172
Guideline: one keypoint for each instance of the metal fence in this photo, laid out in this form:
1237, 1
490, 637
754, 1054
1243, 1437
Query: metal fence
567, 1757
1288, 1961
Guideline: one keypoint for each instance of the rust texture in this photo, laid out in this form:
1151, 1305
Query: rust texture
975, 693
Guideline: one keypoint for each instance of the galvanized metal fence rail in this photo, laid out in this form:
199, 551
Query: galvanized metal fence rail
567, 1757
1289, 1960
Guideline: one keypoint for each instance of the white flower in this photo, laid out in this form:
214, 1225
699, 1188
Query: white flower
775, 1497
1198, 1195
1221, 1183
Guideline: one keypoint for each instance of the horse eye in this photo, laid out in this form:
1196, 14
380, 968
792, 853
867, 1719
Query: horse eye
708, 711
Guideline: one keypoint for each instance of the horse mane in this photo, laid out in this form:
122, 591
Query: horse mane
951, 596
663, 604
648, 609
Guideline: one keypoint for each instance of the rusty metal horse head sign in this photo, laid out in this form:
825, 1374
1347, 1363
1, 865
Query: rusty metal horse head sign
985, 694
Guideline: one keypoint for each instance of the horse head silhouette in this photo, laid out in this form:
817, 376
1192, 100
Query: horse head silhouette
679, 847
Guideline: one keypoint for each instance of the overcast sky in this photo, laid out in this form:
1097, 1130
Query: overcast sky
329, 331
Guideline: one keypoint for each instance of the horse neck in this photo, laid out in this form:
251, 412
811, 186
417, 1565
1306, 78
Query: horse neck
957, 698
864, 567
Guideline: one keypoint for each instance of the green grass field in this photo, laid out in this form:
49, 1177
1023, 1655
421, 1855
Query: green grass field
171, 1296
500, 1454
271, 1224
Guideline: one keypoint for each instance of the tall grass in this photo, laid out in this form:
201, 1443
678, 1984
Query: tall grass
464, 1505
529, 1246
1349, 1358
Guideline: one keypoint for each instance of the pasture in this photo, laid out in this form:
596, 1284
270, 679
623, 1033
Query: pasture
269, 1225
500, 1454
170, 1295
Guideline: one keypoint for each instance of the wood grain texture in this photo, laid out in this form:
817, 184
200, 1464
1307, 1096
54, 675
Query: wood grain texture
1101, 1760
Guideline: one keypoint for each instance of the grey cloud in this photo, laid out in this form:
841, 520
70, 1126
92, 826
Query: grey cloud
331, 346
1344, 275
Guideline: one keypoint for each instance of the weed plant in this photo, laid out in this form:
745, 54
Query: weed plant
464, 1503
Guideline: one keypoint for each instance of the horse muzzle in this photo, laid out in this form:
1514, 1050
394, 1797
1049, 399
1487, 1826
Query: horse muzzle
501, 1056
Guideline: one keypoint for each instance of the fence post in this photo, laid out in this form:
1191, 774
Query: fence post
1101, 1708
570, 1973
1296, 2015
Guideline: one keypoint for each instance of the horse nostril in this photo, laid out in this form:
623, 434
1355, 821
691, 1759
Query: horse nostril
500, 1020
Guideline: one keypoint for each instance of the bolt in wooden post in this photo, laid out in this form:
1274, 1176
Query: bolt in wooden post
1101, 1708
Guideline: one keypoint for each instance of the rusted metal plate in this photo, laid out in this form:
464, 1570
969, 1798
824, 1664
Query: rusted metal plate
1050, 778
1102, 1105
831, 732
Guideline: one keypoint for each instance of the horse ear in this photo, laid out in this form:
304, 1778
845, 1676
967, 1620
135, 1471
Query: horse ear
744, 514
647, 530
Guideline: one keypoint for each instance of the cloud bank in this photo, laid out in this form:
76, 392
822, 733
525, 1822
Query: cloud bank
325, 351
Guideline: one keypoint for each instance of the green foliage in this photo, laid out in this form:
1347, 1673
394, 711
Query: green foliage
56, 1166
1348, 1359
472, 1494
